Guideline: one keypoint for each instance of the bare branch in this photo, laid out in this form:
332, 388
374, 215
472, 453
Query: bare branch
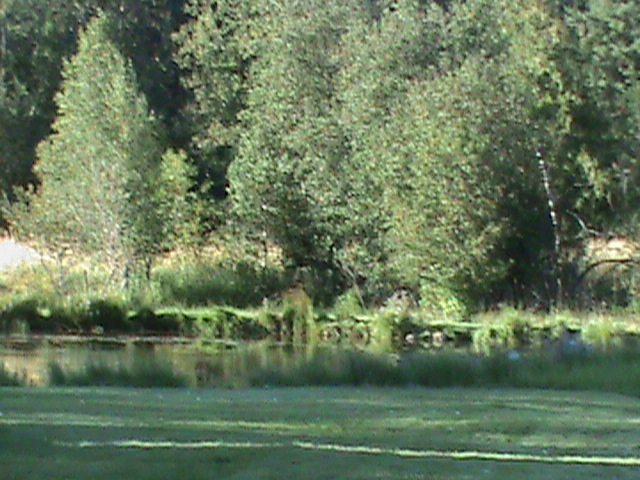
611, 261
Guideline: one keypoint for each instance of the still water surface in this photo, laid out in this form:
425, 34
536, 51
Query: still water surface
202, 364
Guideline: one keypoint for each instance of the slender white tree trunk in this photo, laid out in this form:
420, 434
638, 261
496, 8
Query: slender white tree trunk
553, 216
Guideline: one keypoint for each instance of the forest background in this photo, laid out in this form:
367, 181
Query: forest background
459, 155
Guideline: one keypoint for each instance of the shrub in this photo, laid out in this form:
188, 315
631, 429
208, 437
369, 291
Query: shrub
297, 317
145, 320
442, 303
392, 324
510, 330
348, 305
109, 314
199, 284
216, 323
19, 317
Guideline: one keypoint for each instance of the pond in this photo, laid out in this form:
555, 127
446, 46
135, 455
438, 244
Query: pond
201, 364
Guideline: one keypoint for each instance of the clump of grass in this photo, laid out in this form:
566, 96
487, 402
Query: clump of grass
197, 284
297, 317
603, 334
439, 370
617, 371
511, 330
607, 371
143, 374
331, 367
383, 331
7, 379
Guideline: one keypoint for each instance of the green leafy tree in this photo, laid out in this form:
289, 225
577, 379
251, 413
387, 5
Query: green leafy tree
34, 38
142, 30
600, 63
509, 92
382, 55
598, 60
285, 180
101, 171
215, 50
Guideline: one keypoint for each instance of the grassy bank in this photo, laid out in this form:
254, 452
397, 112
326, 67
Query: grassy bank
219, 296
142, 374
317, 434
381, 329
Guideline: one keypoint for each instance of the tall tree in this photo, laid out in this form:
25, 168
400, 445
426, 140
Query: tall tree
600, 63
286, 178
142, 30
382, 56
34, 39
101, 167
215, 50
36, 36
496, 71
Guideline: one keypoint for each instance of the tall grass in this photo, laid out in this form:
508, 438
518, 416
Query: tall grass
144, 373
612, 371
197, 284
329, 367
298, 318
7, 379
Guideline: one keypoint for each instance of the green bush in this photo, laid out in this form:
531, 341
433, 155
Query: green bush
391, 325
348, 305
442, 303
298, 318
224, 323
21, 317
200, 284
109, 314
145, 320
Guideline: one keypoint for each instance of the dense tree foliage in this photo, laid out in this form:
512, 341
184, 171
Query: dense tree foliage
34, 38
105, 186
464, 151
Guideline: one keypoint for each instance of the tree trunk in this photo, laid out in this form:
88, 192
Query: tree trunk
553, 216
